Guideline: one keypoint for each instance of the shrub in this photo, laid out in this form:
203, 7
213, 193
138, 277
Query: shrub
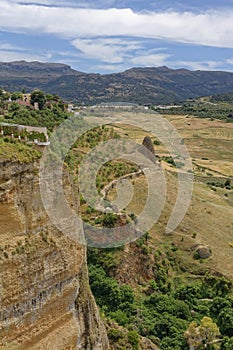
115, 334
133, 339
110, 220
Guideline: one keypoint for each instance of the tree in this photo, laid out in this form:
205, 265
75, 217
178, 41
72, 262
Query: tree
226, 321
38, 96
218, 305
16, 95
204, 336
228, 183
49, 97
228, 344
13, 107
133, 339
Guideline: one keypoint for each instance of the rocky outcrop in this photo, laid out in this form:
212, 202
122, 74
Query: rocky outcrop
201, 251
45, 298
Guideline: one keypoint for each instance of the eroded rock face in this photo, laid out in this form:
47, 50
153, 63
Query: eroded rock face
45, 300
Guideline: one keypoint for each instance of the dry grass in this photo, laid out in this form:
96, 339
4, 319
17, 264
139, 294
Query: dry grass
210, 216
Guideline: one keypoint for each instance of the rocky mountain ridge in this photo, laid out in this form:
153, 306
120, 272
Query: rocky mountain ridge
151, 85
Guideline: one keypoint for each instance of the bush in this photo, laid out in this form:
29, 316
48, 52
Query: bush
112, 297
110, 220
120, 317
133, 339
115, 334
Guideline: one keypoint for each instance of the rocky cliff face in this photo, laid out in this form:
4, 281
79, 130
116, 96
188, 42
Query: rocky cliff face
45, 298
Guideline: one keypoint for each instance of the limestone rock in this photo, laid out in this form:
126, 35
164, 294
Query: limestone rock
45, 299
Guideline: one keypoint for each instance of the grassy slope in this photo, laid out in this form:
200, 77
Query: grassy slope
208, 220
11, 150
210, 213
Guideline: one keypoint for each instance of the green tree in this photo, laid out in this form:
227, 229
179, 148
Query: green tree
218, 305
228, 344
204, 336
226, 321
38, 96
49, 97
16, 95
14, 106
133, 339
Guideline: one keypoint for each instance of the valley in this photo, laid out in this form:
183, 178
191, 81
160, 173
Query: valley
148, 290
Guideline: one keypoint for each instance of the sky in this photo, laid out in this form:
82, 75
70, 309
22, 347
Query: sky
110, 36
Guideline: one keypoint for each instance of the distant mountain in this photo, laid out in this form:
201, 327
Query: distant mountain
139, 85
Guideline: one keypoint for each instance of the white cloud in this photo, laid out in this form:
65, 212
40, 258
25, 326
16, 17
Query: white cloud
210, 28
229, 61
112, 50
112, 68
151, 60
63, 3
68, 3
196, 65
7, 46
8, 56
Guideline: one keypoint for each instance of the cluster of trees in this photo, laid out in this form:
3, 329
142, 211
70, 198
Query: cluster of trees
197, 315
38, 96
222, 98
52, 110
219, 110
227, 184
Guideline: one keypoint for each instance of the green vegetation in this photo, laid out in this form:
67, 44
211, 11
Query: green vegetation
148, 85
204, 336
45, 117
219, 108
227, 184
174, 302
11, 150
222, 98
51, 113
38, 96
113, 170
171, 313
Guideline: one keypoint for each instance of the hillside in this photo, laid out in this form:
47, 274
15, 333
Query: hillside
140, 85
173, 280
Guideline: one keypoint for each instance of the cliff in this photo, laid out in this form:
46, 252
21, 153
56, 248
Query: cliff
45, 298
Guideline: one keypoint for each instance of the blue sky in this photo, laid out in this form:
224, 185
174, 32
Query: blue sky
114, 35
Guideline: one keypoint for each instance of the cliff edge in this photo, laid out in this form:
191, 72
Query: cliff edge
45, 298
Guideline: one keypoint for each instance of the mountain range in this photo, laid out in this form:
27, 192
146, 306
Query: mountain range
152, 85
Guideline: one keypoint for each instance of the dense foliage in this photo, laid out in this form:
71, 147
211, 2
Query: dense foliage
51, 113
220, 109
164, 312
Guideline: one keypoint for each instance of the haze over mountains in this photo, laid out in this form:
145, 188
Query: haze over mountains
139, 85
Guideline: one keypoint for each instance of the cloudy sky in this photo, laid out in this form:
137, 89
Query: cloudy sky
114, 35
